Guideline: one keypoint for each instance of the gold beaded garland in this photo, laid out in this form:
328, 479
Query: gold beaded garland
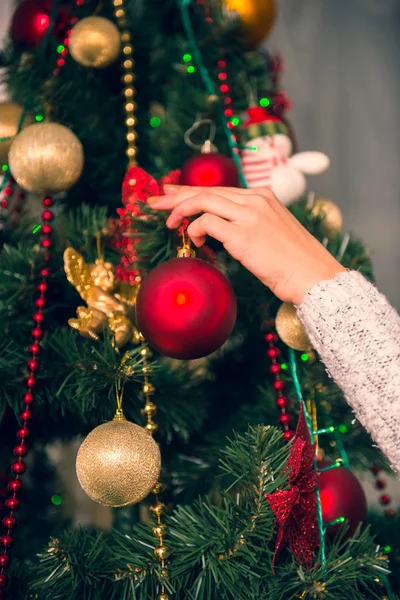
290, 330
127, 79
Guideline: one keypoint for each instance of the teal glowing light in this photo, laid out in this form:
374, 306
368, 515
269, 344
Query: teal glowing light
187, 57
56, 500
155, 122
264, 102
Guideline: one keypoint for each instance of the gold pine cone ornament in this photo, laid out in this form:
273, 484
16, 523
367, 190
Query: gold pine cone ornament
290, 330
118, 463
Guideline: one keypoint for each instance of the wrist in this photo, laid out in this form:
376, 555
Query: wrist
314, 276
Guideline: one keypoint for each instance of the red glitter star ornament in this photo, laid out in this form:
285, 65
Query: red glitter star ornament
296, 508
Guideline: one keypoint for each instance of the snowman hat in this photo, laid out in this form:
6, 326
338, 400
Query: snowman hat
259, 123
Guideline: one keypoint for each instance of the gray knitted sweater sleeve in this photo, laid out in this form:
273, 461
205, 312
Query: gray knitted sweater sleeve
357, 335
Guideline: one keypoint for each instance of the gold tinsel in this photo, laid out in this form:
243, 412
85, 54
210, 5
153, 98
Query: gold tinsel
95, 42
46, 158
332, 222
118, 463
290, 330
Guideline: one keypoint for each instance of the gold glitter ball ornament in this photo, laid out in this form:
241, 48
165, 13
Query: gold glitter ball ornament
290, 330
164, 596
10, 116
256, 18
46, 158
95, 42
331, 214
118, 463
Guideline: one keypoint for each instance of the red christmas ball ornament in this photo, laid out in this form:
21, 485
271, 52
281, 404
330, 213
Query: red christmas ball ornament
209, 169
341, 496
186, 308
32, 19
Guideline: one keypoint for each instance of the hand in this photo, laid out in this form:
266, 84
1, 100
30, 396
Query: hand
256, 229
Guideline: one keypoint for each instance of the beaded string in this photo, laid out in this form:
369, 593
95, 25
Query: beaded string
127, 79
149, 409
18, 467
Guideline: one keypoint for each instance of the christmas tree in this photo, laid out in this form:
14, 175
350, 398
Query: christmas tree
111, 101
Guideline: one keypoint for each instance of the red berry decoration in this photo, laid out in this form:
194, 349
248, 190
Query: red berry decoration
186, 308
341, 496
206, 170
32, 19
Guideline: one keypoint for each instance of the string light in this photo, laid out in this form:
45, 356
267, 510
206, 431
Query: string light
56, 499
155, 122
264, 102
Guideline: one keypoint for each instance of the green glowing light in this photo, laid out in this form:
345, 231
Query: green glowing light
190, 69
36, 228
331, 429
340, 519
155, 122
235, 121
387, 549
4, 168
187, 57
39, 118
254, 148
304, 357
56, 499
343, 428
60, 48
284, 367
264, 102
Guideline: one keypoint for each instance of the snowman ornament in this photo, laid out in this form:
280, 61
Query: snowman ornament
267, 159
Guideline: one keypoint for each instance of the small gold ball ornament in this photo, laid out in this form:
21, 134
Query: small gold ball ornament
164, 596
161, 552
289, 328
256, 18
46, 158
10, 116
332, 216
118, 463
95, 42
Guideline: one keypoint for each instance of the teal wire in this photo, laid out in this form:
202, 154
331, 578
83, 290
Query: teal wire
297, 387
208, 83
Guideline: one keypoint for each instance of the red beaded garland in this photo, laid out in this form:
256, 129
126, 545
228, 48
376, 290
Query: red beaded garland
225, 90
380, 484
12, 503
384, 499
278, 385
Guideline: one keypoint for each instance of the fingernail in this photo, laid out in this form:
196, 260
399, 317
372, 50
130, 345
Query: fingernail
154, 199
171, 187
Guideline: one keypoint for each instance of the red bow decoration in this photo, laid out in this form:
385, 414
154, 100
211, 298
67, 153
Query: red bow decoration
296, 508
137, 187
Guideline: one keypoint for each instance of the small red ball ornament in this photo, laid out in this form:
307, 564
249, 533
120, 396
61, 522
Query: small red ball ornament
32, 19
212, 169
186, 308
341, 496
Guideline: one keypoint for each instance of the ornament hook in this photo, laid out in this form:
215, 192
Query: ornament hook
207, 146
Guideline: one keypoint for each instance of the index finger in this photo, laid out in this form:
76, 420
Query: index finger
173, 198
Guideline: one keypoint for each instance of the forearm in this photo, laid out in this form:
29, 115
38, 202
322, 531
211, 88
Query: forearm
357, 335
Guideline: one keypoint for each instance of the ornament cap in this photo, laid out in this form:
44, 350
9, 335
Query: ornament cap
119, 415
186, 252
208, 148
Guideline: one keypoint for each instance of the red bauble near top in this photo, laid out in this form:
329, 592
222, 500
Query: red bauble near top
186, 308
209, 169
32, 19
341, 496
